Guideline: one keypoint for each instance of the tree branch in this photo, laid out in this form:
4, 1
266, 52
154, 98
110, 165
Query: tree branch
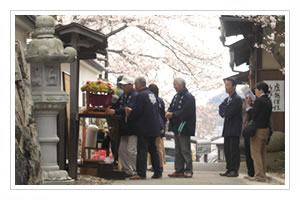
164, 60
116, 31
128, 59
174, 53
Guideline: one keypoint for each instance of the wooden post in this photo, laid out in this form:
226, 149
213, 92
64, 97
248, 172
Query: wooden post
258, 56
83, 153
106, 65
74, 89
61, 132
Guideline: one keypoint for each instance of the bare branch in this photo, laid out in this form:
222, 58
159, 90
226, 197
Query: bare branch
129, 60
164, 60
115, 51
174, 53
117, 30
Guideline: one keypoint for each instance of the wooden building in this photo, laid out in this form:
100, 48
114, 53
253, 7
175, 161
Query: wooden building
262, 65
88, 44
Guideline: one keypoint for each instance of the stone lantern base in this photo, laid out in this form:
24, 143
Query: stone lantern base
57, 177
45, 114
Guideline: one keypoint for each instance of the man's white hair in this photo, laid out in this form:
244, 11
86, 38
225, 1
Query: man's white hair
141, 80
180, 81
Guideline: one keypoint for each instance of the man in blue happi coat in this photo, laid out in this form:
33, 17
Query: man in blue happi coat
182, 116
148, 126
128, 140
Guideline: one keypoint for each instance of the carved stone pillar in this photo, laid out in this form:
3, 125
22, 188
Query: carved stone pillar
45, 54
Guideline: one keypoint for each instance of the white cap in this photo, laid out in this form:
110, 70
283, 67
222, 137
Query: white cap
126, 80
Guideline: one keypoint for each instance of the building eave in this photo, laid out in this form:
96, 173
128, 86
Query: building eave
96, 65
241, 78
234, 25
94, 41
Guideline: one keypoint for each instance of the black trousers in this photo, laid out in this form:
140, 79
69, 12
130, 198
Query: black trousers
232, 153
249, 160
145, 145
115, 142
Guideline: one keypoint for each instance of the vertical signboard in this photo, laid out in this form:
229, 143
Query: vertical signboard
276, 88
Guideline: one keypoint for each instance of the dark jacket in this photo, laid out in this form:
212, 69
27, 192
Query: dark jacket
183, 107
128, 128
231, 110
145, 114
162, 112
261, 111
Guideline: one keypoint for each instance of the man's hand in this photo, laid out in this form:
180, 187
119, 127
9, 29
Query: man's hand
248, 102
110, 111
247, 99
128, 111
169, 115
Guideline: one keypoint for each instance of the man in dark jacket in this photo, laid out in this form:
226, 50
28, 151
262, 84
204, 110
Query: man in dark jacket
182, 116
231, 111
148, 126
128, 140
159, 141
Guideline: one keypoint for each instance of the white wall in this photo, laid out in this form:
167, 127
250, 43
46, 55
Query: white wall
22, 28
87, 73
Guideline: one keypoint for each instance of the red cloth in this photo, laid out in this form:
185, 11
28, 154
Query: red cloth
99, 155
99, 100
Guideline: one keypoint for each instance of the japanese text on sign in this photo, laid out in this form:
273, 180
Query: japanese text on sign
276, 95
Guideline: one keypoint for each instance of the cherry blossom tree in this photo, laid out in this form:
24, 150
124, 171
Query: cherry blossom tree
207, 116
273, 27
146, 45
161, 47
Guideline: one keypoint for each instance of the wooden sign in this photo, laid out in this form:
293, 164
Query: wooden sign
276, 88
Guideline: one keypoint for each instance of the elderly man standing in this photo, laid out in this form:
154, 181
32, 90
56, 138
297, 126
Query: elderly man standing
231, 110
182, 116
149, 125
128, 139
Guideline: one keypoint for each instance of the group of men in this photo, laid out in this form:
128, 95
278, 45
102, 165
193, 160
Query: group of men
143, 119
143, 122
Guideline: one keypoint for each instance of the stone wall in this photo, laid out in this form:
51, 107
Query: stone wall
27, 147
275, 158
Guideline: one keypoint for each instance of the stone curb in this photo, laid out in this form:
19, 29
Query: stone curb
59, 182
275, 180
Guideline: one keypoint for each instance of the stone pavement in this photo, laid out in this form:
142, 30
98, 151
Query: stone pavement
204, 174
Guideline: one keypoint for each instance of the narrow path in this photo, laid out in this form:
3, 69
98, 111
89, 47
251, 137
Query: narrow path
204, 174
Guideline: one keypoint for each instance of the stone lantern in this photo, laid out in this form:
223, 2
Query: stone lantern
45, 54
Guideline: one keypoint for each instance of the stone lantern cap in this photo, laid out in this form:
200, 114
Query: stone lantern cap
45, 47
